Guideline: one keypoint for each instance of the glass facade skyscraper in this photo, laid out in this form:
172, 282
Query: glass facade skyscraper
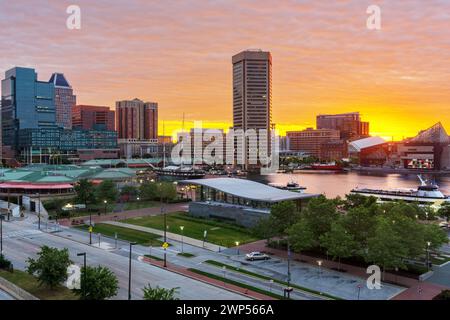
29, 121
65, 100
26, 104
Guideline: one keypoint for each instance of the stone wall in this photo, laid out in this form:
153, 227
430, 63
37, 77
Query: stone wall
239, 215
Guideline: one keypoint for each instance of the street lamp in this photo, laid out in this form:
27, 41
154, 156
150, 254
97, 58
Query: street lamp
182, 238
83, 254
39, 210
319, 262
129, 271
1, 233
105, 202
237, 247
428, 255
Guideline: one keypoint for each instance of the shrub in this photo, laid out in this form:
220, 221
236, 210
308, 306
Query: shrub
5, 264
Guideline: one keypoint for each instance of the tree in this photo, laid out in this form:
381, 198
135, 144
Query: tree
435, 235
360, 222
444, 211
97, 283
264, 229
51, 266
282, 216
320, 214
148, 191
129, 191
411, 233
338, 242
159, 293
301, 236
354, 200
385, 247
167, 191
85, 192
444, 295
107, 190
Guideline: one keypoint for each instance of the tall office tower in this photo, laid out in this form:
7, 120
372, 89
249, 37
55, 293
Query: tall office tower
136, 119
27, 103
65, 100
252, 93
349, 124
93, 118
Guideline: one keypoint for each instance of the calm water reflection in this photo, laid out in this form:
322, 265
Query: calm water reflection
333, 185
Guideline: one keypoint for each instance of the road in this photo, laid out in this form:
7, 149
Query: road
5, 296
23, 240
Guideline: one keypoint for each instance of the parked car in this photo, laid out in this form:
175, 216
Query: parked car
256, 256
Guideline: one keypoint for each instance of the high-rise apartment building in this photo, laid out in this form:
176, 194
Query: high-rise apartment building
93, 118
310, 140
65, 100
136, 119
137, 127
349, 124
252, 93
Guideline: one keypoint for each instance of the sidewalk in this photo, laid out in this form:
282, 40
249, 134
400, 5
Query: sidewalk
227, 286
329, 264
420, 291
151, 211
171, 236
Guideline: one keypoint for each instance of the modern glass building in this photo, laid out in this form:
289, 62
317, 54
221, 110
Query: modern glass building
65, 100
27, 103
29, 123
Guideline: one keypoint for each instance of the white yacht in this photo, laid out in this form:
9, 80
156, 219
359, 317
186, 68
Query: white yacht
426, 193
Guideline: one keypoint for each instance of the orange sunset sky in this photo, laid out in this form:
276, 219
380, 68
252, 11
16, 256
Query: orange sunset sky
178, 53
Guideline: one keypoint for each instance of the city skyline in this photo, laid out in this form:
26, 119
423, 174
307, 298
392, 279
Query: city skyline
325, 60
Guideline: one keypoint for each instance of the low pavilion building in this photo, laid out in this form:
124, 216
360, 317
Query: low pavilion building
239, 201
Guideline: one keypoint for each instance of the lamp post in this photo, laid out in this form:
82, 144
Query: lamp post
319, 262
237, 247
428, 255
90, 227
1, 233
83, 254
182, 238
289, 270
163, 212
39, 211
105, 202
129, 271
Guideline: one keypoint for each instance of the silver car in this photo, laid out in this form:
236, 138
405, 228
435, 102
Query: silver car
256, 256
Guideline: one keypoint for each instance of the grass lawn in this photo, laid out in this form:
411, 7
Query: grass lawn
220, 233
142, 204
186, 254
142, 238
30, 284
153, 257
256, 275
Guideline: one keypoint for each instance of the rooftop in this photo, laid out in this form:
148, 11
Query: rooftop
366, 143
250, 190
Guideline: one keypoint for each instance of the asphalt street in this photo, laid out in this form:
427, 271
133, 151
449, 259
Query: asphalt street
22, 240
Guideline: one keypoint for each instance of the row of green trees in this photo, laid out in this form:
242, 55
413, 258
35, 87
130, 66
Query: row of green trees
383, 234
97, 283
88, 194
